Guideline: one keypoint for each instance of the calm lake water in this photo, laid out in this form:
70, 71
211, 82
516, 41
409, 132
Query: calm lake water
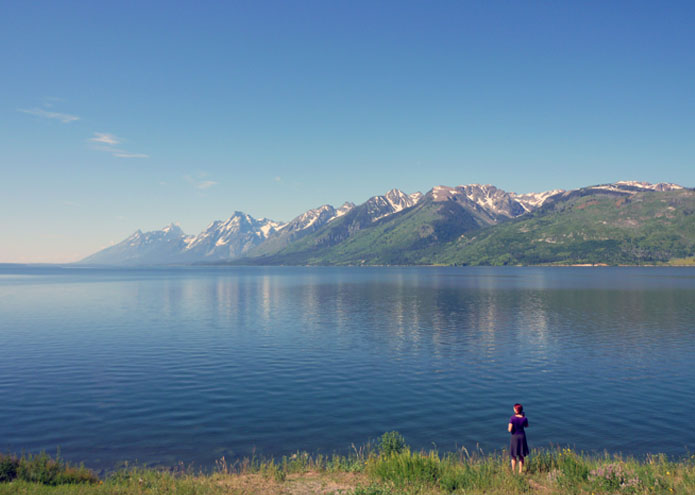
190, 364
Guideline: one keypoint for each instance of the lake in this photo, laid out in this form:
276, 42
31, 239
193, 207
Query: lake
168, 365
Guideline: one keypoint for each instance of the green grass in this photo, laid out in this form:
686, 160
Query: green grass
388, 467
690, 261
43, 469
547, 471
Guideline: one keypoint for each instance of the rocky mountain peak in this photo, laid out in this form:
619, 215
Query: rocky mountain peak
392, 202
466, 206
489, 200
344, 208
308, 219
172, 229
531, 201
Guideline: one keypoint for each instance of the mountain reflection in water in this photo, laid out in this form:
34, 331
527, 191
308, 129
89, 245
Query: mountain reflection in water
189, 364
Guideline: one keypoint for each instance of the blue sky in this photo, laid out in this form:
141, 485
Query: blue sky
122, 115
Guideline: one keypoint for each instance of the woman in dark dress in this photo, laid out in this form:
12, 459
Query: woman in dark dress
518, 448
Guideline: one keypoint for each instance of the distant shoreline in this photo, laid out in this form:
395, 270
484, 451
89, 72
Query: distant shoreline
687, 264
684, 264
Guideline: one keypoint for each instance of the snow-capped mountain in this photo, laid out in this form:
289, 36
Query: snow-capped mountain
230, 238
488, 200
392, 202
531, 201
347, 206
497, 202
353, 218
300, 226
314, 218
632, 186
158, 246
242, 235
346, 222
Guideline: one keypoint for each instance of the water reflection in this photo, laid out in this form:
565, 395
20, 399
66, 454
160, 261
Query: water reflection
191, 364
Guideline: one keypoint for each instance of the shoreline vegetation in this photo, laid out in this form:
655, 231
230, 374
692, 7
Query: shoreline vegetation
674, 262
387, 467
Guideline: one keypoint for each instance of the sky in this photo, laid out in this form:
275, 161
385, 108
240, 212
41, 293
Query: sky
118, 116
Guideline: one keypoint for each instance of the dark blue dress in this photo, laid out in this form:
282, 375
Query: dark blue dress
518, 446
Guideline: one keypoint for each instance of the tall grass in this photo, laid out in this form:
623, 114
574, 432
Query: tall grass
43, 469
387, 467
547, 471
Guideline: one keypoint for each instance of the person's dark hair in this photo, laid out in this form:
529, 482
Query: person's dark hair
518, 408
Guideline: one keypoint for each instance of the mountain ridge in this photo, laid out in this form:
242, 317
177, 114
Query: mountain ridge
393, 228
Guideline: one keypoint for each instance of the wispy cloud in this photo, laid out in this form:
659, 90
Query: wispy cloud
104, 137
107, 142
65, 118
198, 183
102, 141
206, 184
126, 154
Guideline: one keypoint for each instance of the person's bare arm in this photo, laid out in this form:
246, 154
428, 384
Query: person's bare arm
509, 427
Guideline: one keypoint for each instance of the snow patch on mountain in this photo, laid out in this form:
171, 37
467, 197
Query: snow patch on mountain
346, 207
231, 238
157, 246
172, 228
314, 218
268, 227
309, 218
300, 226
531, 201
633, 186
416, 197
392, 202
487, 199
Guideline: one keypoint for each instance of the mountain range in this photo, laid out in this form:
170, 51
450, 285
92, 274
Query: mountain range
626, 222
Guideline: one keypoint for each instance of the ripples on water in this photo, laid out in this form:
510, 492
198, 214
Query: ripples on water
171, 365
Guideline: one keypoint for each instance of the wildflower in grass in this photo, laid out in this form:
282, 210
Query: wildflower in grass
614, 476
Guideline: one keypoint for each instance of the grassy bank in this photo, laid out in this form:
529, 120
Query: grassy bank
389, 468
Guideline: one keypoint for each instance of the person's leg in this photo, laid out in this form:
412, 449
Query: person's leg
513, 464
521, 463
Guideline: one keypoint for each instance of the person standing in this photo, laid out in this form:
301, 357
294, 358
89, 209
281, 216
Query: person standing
518, 448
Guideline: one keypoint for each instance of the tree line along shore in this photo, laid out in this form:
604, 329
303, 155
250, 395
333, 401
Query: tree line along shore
386, 467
